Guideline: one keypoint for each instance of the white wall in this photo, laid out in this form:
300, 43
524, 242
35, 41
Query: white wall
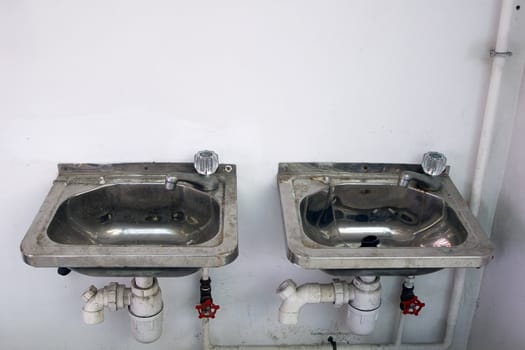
498, 322
260, 82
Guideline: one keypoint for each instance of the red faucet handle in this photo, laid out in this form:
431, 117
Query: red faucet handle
207, 309
412, 306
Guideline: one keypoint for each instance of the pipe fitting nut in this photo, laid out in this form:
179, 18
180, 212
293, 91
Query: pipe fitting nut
144, 293
339, 292
111, 296
366, 284
89, 293
287, 289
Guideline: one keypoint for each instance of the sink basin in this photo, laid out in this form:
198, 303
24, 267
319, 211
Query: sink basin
354, 218
144, 214
122, 220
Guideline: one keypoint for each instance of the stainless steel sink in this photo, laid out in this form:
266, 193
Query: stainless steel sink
123, 220
354, 218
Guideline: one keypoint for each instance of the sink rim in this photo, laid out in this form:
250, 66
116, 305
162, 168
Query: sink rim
39, 250
475, 251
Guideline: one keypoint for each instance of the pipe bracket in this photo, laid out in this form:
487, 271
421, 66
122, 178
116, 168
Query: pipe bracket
494, 53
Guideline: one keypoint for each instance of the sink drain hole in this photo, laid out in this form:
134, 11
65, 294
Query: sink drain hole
105, 218
153, 218
370, 241
407, 217
178, 216
362, 218
339, 214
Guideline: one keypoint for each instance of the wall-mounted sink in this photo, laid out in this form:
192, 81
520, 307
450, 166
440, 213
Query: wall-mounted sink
129, 220
355, 218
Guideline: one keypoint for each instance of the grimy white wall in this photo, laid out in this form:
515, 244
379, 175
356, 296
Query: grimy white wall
259, 82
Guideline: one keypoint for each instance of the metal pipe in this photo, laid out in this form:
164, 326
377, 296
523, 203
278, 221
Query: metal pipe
491, 104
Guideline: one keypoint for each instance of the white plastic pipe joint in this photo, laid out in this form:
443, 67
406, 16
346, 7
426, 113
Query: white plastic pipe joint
362, 295
294, 298
363, 309
114, 296
145, 309
144, 302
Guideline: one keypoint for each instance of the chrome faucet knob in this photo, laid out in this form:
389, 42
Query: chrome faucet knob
434, 163
206, 162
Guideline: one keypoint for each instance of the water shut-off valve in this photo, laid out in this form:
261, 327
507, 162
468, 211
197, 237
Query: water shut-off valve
410, 303
206, 308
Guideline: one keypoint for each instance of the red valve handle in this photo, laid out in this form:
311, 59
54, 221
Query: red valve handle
412, 306
207, 309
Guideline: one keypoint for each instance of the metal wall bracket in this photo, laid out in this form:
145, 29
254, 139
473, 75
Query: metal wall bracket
494, 53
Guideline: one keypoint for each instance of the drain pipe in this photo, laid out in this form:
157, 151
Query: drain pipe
145, 309
294, 298
114, 296
144, 302
362, 297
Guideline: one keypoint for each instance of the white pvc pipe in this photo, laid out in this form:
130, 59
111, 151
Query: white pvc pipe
399, 330
113, 296
144, 282
146, 309
454, 306
294, 298
491, 104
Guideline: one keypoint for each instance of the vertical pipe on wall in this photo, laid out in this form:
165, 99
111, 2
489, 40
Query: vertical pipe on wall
454, 306
491, 104
206, 344
399, 329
